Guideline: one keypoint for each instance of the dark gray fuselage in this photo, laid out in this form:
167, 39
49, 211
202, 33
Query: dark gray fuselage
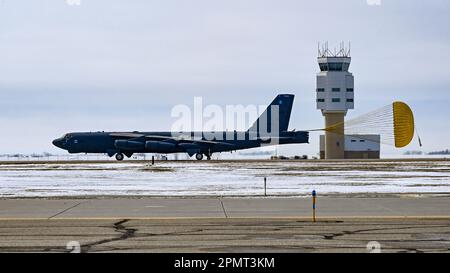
165, 142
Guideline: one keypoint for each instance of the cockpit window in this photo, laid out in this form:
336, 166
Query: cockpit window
66, 137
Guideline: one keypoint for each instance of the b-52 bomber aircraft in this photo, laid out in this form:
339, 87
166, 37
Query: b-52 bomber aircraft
271, 128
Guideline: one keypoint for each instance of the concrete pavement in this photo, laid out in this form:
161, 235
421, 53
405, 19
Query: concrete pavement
224, 225
147, 207
224, 235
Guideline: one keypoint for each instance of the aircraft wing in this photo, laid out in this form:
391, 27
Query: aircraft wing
269, 138
177, 139
182, 139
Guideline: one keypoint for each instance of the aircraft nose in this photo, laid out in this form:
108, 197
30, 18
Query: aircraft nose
58, 143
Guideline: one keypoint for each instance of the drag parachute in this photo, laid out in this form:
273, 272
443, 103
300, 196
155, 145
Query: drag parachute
403, 124
394, 123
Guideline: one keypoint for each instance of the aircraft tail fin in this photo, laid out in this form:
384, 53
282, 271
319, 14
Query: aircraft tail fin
281, 106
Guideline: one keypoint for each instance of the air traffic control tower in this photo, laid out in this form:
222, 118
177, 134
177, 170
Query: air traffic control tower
334, 97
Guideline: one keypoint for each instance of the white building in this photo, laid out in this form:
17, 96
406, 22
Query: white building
357, 146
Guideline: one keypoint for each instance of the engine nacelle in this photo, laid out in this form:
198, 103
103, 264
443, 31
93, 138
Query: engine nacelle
190, 148
160, 147
129, 145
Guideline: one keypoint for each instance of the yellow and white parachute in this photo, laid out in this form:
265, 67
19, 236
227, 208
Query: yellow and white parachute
394, 123
403, 124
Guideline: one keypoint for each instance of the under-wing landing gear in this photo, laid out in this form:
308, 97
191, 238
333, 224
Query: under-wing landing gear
119, 156
199, 156
208, 155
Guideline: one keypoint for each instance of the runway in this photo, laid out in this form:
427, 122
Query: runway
225, 224
218, 206
258, 207
223, 178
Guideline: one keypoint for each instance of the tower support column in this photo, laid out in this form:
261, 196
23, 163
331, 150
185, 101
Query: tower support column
334, 136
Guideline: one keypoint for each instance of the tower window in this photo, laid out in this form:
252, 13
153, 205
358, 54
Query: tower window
323, 67
335, 66
336, 100
336, 89
349, 100
320, 89
320, 100
349, 89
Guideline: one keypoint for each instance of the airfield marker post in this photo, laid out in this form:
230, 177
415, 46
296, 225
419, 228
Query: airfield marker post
153, 160
314, 194
265, 186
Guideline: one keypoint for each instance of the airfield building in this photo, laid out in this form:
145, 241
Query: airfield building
357, 146
335, 96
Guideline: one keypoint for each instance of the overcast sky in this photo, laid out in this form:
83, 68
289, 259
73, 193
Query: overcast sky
123, 65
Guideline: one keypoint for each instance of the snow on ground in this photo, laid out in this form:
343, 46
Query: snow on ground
243, 178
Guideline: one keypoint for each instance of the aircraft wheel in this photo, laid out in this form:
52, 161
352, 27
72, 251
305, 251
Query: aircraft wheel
119, 156
199, 156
